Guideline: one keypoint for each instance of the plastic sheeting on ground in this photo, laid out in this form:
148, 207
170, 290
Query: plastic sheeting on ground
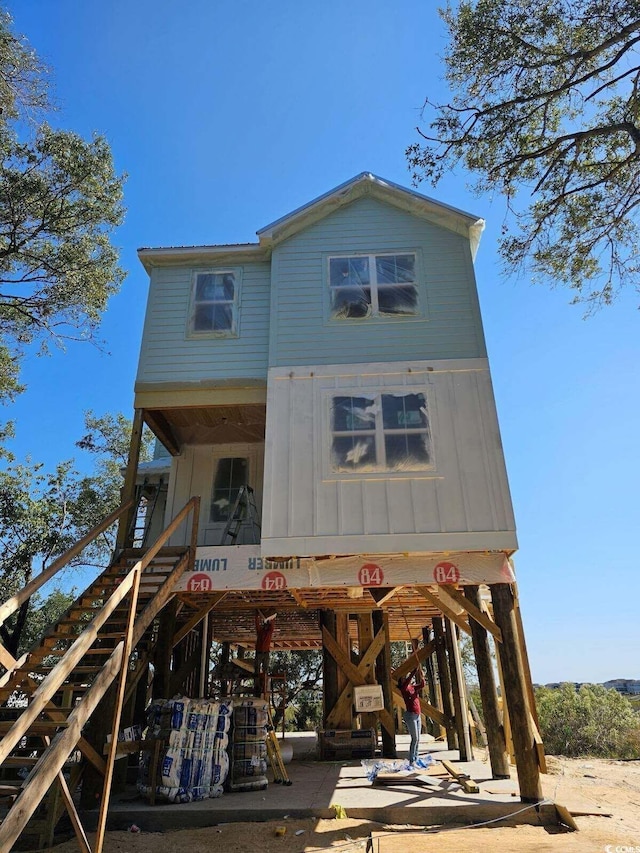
373, 767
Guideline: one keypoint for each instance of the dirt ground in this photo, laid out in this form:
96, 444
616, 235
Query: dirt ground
608, 787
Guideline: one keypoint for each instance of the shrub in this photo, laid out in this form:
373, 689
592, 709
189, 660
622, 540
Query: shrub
590, 720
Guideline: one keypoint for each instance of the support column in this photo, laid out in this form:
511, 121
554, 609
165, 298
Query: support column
432, 727
342, 639
365, 638
129, 487
383, 676
164, 651
516, 694
445, 680
330, 692
225, 657
495, 733
457, 688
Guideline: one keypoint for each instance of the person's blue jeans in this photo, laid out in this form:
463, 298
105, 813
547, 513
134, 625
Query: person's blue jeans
412, 722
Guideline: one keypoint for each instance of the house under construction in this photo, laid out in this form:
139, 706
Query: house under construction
333, 455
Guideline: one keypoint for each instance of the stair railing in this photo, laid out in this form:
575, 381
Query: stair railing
52, 760
16, 601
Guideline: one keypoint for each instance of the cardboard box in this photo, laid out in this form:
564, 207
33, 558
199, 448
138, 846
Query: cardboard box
345, 744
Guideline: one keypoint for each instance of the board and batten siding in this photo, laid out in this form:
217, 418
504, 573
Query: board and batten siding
167, 353
449, 325
462, 504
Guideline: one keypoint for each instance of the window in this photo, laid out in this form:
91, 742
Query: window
380, 432
373, 286
231, 474
215, 302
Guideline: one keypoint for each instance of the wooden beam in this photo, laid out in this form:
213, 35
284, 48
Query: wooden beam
67, 799
380, 621
161, 428
419, 656
459, 697
516, 694
297, 596
444, 677
330, 693
197, 617
356, 675
129, 486
451, 613
463, 779
498, 756
382, 594
115, 724
482, 618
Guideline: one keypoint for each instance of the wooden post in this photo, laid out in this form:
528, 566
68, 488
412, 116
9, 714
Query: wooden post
457, 688
205, 645
515, 689
380, 620
445, 680
330, 692
432, 727
129, 487
365, 638
342, 638
486, 680
164, 651
224, 661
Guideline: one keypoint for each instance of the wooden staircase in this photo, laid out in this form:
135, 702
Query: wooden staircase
50, 693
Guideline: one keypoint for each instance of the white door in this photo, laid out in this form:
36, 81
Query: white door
232, 466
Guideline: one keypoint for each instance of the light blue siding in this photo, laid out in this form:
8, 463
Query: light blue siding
169, 355
303, 333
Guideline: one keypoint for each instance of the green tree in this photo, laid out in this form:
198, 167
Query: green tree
60, 201
301, 687
546, 102
590, 720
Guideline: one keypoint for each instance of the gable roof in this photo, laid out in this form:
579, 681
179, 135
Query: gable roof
444, 215
366, 183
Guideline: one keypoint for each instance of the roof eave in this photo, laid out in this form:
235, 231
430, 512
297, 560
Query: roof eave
163, 256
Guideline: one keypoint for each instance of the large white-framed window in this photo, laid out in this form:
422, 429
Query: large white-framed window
373, 285
379, 431
232, 472
215, 297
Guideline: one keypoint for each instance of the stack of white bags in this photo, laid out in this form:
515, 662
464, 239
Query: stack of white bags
195, 763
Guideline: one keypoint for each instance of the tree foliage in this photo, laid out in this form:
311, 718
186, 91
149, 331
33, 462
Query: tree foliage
60, 201
590, 720
546, 103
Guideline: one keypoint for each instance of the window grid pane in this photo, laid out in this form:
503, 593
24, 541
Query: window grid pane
214, 302
231, 474
373, 286
385, 432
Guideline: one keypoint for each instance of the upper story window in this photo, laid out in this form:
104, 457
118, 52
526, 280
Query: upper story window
373, 286
214, 303
380, 432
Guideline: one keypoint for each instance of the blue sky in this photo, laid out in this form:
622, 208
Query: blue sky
227, 115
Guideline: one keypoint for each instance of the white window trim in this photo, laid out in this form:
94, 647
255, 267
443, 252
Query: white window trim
234, 332
328, 395
375, 316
